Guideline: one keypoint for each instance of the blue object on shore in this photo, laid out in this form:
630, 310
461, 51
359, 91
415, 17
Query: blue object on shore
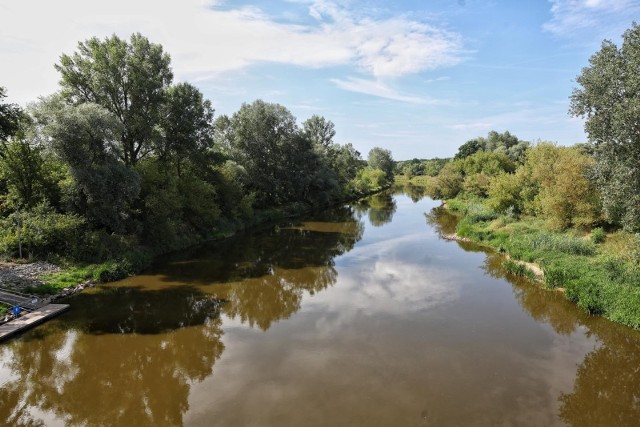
16, 310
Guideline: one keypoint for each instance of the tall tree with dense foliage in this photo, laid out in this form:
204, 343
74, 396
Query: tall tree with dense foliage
380, 158
10, 117
281, 163
187, 124
130, 79
85, 137
319, 130
609, 99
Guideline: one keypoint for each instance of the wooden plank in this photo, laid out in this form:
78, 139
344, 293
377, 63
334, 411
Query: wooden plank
30, 320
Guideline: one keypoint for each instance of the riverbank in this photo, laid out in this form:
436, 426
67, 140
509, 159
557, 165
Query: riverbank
598, 271
54, 282
35, 278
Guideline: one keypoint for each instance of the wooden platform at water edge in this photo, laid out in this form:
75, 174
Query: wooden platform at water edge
29, 320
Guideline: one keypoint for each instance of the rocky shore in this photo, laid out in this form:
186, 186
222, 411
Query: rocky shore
19, 277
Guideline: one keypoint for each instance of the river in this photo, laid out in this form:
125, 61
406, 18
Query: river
360, 315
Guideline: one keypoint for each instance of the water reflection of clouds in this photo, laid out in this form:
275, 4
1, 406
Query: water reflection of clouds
383, 283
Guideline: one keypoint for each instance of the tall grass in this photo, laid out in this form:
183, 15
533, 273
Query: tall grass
518, 269
601, 282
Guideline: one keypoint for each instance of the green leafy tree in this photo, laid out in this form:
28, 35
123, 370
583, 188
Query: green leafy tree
410, 168
566, 197
433, 167
489, 163
28, 174
279, 159
346, 161
31, 175
129, 79
85, 137
512, 192
222, 131
470, 147
320, 131
449, 181
187, 123
10, 118
380, 158
504, 143
369, 179
236, 202
609, 99
496, 140
177, 211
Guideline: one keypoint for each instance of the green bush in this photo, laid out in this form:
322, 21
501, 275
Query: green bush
42, 232
598, 235
449, 181
588, 295
368, 180
561, 271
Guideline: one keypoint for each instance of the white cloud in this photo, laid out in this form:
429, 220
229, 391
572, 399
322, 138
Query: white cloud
377, 88
571, 16
206, 40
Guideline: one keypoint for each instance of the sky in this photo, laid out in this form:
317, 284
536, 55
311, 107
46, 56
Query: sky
418, 77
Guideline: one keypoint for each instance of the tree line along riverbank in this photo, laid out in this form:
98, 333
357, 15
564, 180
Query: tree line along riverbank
542, 205
122, 164
575, 210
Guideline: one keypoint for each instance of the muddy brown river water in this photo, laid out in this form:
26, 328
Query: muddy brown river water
360, 315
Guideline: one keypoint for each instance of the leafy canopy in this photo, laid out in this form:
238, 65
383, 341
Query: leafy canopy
129, 79
609, 99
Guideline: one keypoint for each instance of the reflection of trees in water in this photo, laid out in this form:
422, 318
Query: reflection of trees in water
606, 390
113, 379
442, 220
265, 300
541, 304
127, 353
607, 387
126, 310
379, 207
261, 277
415, 192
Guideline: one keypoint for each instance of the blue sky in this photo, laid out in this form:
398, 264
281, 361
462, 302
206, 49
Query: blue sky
417, 77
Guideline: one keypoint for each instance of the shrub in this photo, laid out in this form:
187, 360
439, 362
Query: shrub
561, 271
598, 235
369, 179
449, 181
42, 232
566, 196
588, 295
511, 192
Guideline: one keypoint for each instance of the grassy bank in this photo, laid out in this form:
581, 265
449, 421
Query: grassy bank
598, 271
4, 309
